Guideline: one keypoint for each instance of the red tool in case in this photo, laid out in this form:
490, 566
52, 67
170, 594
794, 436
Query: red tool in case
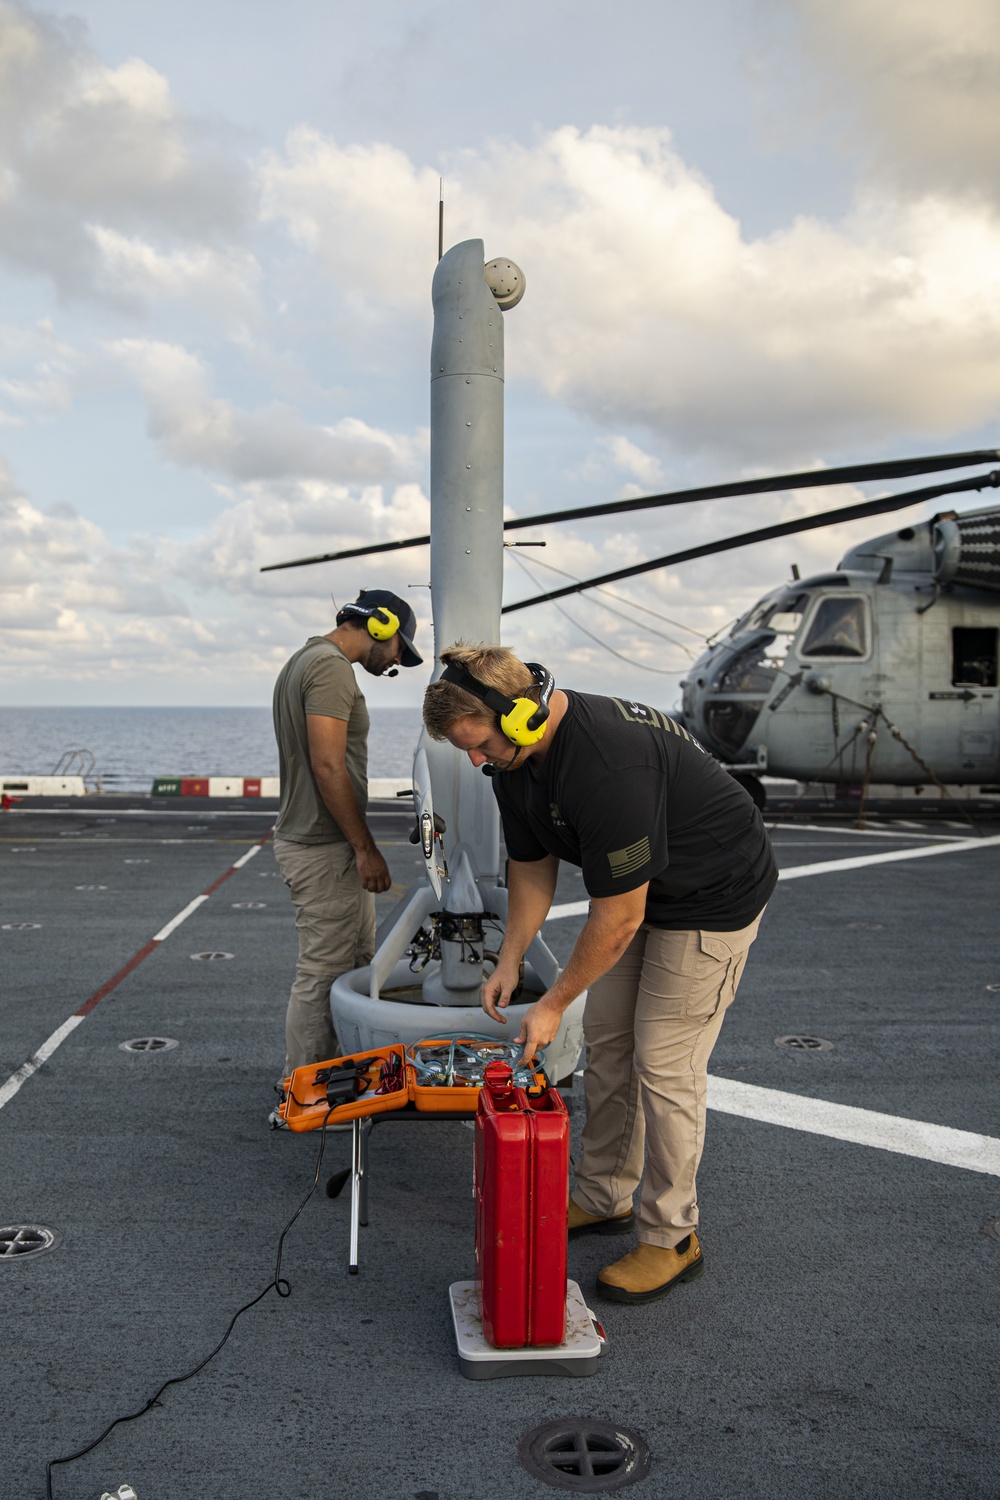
522, 1177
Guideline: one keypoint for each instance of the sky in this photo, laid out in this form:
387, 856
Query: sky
758, 236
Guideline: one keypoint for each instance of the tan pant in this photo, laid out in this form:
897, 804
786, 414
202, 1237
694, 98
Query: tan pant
335, 918
650, 1025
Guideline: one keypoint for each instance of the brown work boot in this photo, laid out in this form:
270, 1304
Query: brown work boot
580, 1222
650, 1271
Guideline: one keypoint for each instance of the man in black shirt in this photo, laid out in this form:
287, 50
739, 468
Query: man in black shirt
678, 867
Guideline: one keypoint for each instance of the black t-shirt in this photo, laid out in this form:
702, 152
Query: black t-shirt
629, 796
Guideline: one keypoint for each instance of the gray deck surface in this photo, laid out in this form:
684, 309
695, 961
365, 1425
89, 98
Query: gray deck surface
843, 1342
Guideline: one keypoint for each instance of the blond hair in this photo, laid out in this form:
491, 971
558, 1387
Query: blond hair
494, 666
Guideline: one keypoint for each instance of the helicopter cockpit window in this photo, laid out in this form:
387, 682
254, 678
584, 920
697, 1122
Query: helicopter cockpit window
839, 628
753, 618
785, 614
973, 657
751, 671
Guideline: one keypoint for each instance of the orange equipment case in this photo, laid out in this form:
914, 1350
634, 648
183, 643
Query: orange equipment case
459, 1098
305, 1104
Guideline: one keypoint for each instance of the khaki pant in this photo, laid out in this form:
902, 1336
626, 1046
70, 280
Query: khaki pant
335, 918
650, 1025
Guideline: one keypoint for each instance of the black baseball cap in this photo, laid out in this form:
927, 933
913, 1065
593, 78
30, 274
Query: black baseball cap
369, 600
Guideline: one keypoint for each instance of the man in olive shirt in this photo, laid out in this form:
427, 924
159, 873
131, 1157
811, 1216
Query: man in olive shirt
323, 845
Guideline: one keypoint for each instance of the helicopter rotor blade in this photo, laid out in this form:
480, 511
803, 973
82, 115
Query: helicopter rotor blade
766, 533
305, 562
898, 468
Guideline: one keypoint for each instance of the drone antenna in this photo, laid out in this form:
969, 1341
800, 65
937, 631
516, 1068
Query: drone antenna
440, 217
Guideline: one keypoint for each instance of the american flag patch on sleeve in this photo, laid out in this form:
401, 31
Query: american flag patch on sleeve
632, 858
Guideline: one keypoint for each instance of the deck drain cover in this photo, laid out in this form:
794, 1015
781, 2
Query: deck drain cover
992, 1228
803, 1043
148, 1044
248, 905
91, 887
866, 926
204, 958
18, 1241
587, 1456
21, 926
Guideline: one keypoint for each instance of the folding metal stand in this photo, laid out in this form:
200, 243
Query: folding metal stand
358, 1173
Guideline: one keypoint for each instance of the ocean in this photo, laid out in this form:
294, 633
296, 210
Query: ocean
132, 745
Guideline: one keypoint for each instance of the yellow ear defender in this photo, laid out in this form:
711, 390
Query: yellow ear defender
382, 624
520, 719
516, 724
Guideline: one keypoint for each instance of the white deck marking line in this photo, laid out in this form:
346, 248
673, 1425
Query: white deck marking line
35, 1061
45, 1051
141, 812
826, 867
858, 833
245, 859
569, 909
861, 1127
832, 866
181, 916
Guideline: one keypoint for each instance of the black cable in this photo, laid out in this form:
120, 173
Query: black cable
278, 1284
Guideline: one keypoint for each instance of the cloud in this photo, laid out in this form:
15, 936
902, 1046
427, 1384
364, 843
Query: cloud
219, 280
91, 156
648, 307
924, 79
71, 605
265, 525
365, 212
39, 370
195, 428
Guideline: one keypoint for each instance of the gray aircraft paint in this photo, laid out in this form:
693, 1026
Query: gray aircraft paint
801, 716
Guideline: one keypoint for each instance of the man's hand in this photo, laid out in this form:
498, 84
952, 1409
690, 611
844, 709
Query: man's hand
372, 870
498, 989
538, 1027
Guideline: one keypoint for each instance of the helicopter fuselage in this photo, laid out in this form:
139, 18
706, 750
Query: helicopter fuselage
877, 671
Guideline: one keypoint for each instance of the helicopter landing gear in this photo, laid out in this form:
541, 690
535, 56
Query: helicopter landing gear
753, 785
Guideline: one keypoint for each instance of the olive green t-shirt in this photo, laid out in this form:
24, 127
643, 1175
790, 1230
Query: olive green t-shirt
319, 679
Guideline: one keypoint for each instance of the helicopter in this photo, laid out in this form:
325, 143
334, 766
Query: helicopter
884, 670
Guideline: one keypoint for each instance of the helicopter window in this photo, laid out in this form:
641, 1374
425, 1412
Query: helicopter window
752, 671
753, 617
729, 724
839, 628
974, 658
785, 621
789, 604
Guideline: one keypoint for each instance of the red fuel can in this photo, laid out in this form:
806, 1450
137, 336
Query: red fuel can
522, 1183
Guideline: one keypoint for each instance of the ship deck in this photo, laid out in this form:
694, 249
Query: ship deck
844, 1339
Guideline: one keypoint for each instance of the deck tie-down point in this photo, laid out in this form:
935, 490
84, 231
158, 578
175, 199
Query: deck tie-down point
585, 1455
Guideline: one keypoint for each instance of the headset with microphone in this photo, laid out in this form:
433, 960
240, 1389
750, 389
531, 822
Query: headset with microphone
521, 720
382, 623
